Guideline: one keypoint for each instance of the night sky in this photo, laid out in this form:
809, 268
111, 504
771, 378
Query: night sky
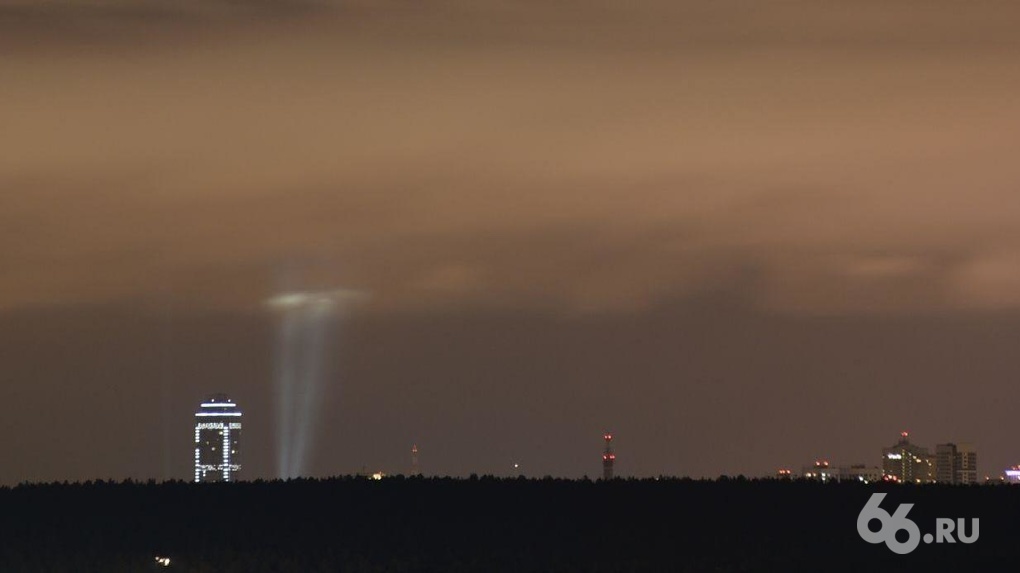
739, 235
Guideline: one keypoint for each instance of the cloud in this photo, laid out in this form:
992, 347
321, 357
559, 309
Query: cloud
813, 158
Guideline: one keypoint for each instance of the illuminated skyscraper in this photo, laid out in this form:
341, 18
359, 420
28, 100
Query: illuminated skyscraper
217, 440
908, 463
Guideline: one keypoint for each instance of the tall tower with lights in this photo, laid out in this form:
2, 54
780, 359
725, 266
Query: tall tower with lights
217, 440
608, 457
908, 463
415, 470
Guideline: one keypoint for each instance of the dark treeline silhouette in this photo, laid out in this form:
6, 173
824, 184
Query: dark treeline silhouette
486, 525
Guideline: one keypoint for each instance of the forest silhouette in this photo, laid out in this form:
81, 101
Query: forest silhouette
398, 524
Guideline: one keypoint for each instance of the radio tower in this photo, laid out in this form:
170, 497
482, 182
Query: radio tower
414, 461
608, 457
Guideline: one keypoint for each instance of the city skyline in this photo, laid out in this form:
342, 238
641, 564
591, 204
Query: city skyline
732, 234
948, 463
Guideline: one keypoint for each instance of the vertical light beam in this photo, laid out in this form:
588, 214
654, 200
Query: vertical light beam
285, 380
302, 368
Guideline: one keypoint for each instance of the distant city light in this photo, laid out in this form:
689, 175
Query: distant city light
608, 457
163, 561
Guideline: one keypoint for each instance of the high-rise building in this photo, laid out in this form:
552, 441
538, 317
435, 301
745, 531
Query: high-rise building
217, 439
905, 462
945, 466
966, 471
955, 464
